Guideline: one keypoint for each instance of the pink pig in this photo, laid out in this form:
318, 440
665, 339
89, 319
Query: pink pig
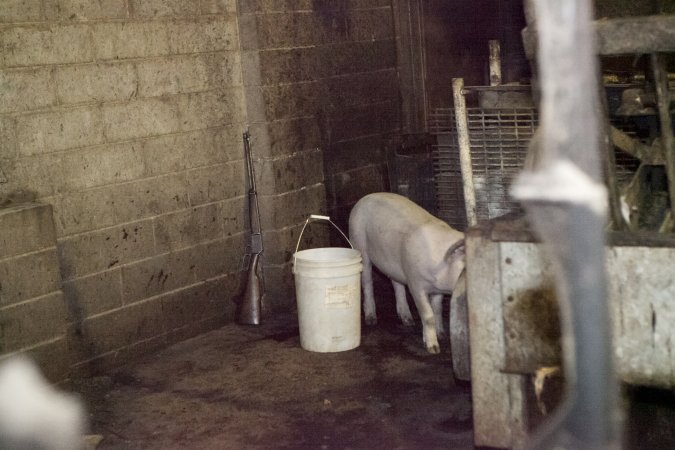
414, 249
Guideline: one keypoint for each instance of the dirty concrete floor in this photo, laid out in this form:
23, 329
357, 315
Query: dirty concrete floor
254, 387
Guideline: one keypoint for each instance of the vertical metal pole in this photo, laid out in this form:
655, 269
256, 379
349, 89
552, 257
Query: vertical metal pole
663, 100
464, 150
495, 63
567, 201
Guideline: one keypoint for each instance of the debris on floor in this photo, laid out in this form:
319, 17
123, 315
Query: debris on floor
255, 387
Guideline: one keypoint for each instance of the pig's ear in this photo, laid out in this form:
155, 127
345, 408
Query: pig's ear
456, 251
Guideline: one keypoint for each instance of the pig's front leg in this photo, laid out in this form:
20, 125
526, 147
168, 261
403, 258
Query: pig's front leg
437, 307
368, 297
402, 307
428, 320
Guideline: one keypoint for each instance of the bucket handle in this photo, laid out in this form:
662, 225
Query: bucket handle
314, 217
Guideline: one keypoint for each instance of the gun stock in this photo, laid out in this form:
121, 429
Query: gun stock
250, 306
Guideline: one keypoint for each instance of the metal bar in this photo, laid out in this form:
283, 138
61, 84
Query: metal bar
663, 97
464, 150
566, 201
254, 209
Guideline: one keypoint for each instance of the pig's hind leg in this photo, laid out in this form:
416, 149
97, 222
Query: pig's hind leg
368, 297
437, 307
428, 320
402, 307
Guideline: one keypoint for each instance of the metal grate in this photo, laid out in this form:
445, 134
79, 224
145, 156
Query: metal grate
499, 140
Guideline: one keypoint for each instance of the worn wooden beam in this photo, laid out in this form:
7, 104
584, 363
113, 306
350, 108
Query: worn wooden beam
641, 239
652, 155
464, 150
636, 35
495, 63
609, 160
623, 36
663, 101
518, 230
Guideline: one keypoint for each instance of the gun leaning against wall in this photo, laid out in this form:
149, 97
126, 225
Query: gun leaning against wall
250, 309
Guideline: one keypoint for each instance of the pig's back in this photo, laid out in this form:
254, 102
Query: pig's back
385, 211
383, 225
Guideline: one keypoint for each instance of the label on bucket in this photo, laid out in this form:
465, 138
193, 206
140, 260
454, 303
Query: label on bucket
340, 296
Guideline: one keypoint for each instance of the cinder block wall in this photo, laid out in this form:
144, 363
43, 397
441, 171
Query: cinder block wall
361, 101
33, 315
321, 89
126, 117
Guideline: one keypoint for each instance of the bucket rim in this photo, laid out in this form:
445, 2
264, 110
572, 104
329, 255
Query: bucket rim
351, 256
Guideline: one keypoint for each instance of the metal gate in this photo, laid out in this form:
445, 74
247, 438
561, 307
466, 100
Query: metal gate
499, 139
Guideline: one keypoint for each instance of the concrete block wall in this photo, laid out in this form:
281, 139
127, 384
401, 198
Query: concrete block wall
33, 315
362, 101
126, 117
321, 88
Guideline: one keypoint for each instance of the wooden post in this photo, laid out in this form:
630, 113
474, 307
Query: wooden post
609, 160
663, 100
464, 150
495, 63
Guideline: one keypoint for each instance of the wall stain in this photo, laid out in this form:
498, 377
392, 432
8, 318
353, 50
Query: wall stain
532, 328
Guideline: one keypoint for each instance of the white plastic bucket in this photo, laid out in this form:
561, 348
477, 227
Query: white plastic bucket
328, 291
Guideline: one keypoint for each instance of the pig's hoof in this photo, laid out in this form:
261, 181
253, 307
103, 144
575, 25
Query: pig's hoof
434, 349
371, 320
408, 321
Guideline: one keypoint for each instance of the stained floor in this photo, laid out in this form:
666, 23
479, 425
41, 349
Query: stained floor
255, 387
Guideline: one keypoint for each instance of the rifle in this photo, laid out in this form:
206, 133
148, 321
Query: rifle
250, 308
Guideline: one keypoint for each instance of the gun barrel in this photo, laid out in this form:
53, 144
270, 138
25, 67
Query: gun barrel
254, 210
249, 161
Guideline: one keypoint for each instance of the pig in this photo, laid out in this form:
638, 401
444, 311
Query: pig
412, 248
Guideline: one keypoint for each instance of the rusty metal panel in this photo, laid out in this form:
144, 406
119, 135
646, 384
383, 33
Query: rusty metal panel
459, 331
499, 401
642, 304
642, 299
